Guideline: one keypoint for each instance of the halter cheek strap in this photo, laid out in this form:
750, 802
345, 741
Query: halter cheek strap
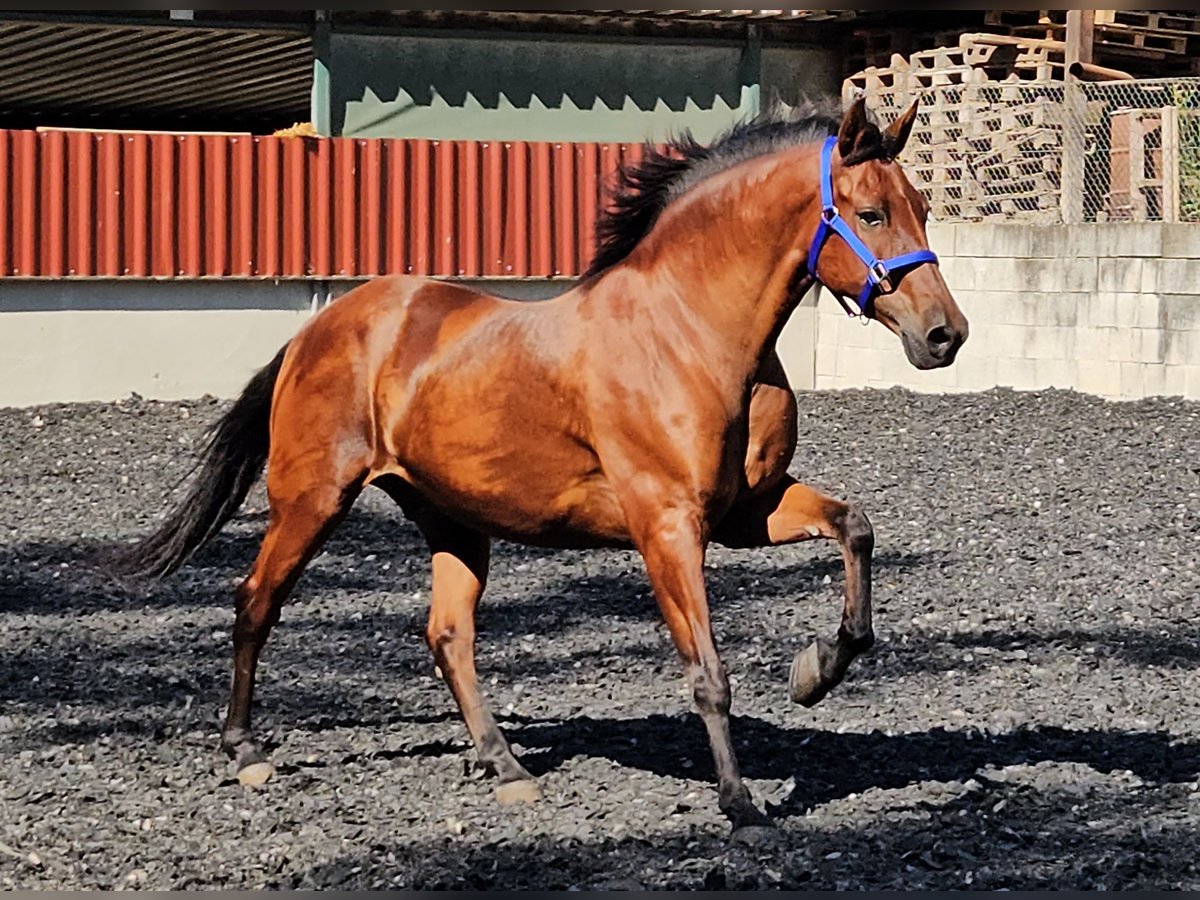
882, 275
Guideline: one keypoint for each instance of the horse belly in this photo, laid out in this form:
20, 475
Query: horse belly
507, 458
530, 498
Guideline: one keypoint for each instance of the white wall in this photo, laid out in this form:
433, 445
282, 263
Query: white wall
1112, 310
51, 357
76, 340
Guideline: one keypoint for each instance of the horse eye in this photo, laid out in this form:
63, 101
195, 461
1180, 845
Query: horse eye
872, 218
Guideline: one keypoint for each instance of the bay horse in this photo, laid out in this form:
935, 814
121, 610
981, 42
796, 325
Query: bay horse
644, 408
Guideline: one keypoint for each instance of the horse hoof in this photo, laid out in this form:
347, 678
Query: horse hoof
256, 774
521, 791
807, 686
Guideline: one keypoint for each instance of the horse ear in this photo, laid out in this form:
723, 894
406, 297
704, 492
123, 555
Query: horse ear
896, 135
854, 127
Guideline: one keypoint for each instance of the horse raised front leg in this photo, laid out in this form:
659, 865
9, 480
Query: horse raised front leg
793, 512
673, 550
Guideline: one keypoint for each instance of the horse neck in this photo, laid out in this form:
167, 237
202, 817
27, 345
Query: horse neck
741, 271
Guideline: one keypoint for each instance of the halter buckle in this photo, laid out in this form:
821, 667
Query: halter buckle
882, 277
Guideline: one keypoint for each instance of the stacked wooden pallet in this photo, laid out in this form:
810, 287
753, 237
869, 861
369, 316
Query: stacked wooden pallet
978, 58
988, 137
867, 47
1030, 23
1143, 42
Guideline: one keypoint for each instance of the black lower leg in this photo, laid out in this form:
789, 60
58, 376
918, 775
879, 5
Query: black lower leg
497, 757
249, 635
820, 668
240, 746
710, 689
855, 635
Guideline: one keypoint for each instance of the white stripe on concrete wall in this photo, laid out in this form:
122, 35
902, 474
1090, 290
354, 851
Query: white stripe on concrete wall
1112, 310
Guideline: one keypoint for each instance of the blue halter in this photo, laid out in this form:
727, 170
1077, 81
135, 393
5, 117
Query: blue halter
882, 275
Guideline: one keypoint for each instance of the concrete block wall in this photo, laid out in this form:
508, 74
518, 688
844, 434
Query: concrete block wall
84, 355
78, 340
1111, 310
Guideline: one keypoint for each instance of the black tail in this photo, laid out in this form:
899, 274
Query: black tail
229, 466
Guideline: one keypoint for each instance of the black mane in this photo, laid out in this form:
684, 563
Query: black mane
642, 191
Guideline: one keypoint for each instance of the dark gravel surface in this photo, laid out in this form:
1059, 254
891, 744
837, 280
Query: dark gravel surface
1029, 718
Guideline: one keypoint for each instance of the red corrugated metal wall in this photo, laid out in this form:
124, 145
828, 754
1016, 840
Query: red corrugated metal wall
113, 205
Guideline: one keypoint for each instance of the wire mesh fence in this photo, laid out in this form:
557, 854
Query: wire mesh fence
1052, 151
1141, 143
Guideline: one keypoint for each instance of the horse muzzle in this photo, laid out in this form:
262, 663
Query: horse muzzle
936, 348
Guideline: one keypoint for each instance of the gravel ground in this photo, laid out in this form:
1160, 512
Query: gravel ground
1030, 717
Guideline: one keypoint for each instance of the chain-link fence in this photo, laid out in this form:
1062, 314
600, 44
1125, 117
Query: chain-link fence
1053, 151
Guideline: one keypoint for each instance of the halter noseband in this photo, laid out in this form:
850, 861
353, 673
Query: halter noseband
882, 275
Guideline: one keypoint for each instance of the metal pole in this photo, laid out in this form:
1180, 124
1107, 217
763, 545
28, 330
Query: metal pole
321, 106
753, 67
1080, 25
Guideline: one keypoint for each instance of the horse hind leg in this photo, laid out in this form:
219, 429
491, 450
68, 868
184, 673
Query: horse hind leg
460, 565
298, 527
793, 512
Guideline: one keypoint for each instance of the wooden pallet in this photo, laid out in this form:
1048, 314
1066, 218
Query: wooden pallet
875, 47
1173, 22
1033, 59
1131, 37
1019, 22
945, 67
981, 147
1149, 43
1144, 168
989, 133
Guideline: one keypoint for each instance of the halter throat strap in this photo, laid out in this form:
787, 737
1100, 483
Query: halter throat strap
883, 276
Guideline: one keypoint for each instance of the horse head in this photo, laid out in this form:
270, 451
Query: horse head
881, 257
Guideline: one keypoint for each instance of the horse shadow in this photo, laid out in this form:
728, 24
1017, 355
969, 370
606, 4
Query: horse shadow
826, 766
1030, 840
1042, 839
74, 574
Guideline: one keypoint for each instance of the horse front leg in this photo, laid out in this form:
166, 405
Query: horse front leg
792, 512
672, 545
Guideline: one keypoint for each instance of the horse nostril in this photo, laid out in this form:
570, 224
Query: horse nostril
939, 340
